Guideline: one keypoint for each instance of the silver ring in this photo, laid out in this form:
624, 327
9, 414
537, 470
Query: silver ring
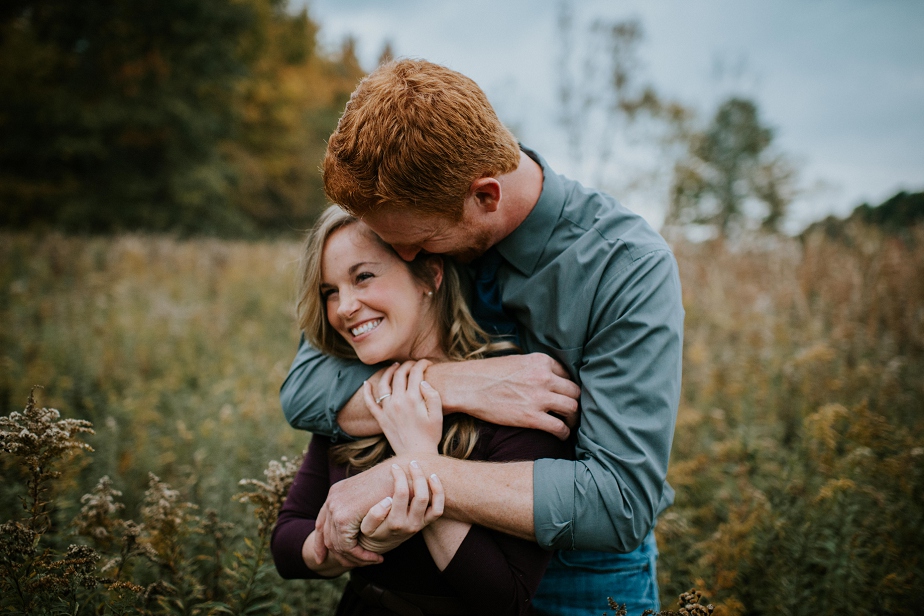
382, 397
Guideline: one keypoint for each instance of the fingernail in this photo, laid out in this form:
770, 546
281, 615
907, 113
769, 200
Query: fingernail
396, 466
433, 476
386, 501
426, 384
414, 464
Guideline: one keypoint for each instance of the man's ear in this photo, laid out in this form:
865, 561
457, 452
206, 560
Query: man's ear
486, 192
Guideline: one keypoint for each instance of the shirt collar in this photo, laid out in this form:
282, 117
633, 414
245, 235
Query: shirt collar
523, 247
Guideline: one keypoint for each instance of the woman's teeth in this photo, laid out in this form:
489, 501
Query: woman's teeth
365, 327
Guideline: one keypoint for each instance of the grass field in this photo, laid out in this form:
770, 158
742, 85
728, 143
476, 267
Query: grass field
799, 454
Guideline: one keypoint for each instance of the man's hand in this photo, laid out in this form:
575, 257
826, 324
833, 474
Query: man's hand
347, 503
514, 390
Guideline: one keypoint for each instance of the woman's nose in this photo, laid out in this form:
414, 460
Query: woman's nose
348, 305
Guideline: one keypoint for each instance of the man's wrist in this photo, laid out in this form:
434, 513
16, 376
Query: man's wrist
445, 378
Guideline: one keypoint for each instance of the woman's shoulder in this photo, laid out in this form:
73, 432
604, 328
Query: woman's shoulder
510, 444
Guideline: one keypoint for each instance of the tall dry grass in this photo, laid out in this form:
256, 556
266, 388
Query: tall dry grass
173, 349
799, 454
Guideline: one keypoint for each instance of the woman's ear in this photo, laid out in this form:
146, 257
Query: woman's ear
435, 265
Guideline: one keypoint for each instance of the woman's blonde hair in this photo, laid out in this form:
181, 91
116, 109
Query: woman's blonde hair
460, 336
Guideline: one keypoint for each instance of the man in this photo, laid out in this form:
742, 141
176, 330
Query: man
421, 157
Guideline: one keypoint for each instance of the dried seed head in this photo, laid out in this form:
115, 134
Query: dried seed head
268, 496
99, 517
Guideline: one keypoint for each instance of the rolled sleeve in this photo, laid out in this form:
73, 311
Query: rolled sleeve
317, 387
611, 496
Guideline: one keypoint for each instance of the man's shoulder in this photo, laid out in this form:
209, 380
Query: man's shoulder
601, 219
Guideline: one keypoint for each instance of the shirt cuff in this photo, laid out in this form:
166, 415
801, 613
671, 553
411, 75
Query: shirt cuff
348, 382
553, 503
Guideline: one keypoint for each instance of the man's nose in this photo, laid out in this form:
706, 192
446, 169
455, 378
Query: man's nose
407, 252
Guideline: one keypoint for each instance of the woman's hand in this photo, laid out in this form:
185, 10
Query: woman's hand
408, 410
396, 519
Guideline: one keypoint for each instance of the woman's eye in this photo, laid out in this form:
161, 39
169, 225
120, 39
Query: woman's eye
364, 276
327, 294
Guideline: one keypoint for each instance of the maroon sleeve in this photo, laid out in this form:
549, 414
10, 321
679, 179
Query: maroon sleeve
497, 573
297, 516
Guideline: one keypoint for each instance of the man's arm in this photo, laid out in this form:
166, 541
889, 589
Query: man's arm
609, 498
497, 495
318, 386
323, 394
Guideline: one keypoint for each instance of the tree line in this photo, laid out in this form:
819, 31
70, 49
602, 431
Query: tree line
720, 170
194, 116
211, 116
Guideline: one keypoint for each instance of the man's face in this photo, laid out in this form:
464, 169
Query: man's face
410, 233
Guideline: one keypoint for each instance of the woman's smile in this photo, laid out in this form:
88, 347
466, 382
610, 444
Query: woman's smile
366, 327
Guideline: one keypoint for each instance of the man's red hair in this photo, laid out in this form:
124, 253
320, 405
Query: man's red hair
414, 136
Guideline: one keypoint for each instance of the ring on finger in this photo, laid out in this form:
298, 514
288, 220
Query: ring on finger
382, 397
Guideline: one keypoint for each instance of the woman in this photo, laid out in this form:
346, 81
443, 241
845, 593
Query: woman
359, 299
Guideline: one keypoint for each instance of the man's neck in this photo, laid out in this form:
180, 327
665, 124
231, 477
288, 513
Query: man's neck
521, 189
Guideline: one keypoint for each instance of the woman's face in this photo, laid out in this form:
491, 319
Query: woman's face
373, 301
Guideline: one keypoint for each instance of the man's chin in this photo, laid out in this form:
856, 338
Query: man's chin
467, 255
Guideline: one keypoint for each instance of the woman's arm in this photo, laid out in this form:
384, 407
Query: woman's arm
295, 540
411, 416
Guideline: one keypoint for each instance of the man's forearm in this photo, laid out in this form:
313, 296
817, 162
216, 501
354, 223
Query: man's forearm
497, 495
457, 395
317, 387
355, 419
516, 390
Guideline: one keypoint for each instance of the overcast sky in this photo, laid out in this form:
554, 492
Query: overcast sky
842, 83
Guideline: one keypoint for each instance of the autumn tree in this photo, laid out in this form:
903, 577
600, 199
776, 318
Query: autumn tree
181, 115
112, 112
731, 179
288, 107
618, 128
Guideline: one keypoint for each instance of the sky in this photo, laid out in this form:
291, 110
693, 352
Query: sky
841, 83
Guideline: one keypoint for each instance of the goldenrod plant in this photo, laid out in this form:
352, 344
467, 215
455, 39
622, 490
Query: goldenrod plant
171, 561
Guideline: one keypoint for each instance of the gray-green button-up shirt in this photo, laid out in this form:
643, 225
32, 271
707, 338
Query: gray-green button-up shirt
593, 285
